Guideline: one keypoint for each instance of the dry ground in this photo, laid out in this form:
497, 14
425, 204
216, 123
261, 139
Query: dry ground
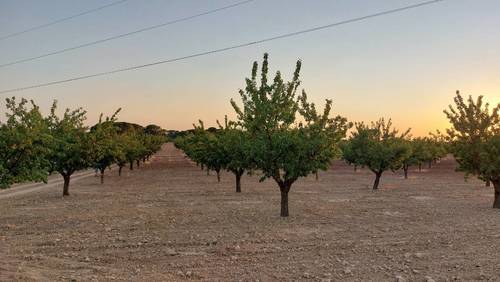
168, 221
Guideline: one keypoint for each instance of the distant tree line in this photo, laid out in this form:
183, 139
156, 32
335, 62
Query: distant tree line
33, 146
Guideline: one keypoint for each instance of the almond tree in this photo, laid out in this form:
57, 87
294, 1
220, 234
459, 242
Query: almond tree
23, 140
282, 148
411, 158
70, 147
206, 148
134, 149
475, 139
235, 145
105, 148
122, 142
422, 151
378, 147
152, 143
437, 147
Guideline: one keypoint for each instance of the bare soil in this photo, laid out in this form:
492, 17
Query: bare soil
169, 221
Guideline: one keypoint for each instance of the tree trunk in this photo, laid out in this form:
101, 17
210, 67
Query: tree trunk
284, 188
496, 184
137, 162
238, 182
102, 175
66, 185
377, 180
218, 175
355, 168
488, 183
317, 176
420, 167
208, 171
284, 204
131, 165
120, 170
430, 164
405, 168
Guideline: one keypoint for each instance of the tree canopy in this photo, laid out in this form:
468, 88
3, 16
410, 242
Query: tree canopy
475, 139
380, 147
23, 144
283, 147
70, 147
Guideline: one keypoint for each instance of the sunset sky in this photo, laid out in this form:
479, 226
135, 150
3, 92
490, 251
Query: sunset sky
406, 66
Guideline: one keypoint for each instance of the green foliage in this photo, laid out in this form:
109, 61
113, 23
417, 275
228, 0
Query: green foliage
474, 138
123, 142
23, 139
138, 143
32, 146
236, 145
70, 146
474, 132
439, 147
133, 149
378, 147
283, 148
151, 143
105, 147
204, 147
236, 150
421, 151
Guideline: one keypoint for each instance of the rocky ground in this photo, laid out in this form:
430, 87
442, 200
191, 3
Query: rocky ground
168, 221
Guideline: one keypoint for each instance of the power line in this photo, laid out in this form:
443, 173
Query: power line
126, 34
61, 20
286, 35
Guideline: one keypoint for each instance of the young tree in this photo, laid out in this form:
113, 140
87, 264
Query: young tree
411, 158
282, 149
23, 139
437, 147
105, 149
70, 147
122, 143
235, 144
152, 144
421, 151
134, 147
475, 139
210, 150
378, 147
205, 148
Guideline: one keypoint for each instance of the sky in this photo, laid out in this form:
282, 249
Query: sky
404, 66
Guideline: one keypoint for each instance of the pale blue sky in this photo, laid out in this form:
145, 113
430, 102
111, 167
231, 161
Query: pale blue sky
405, 66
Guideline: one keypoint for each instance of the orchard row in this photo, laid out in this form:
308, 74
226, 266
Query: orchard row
33, 146
281, 135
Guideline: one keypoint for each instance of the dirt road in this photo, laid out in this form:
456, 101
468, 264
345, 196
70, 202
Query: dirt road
168, 221
54, 182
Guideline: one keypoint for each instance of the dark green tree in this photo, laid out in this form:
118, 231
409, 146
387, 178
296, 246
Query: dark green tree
475, 139
105, 147
235, 144
123, 141
23, 140
411, 158
378, 147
